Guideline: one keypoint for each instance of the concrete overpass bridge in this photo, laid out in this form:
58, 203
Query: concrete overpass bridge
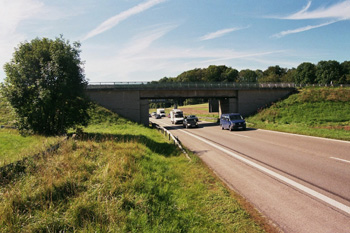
131, 99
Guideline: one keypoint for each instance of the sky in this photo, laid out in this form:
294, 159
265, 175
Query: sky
146, 40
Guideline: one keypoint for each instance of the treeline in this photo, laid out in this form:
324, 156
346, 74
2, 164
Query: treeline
324, 72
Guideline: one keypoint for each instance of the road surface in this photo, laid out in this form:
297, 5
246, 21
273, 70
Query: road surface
300, 183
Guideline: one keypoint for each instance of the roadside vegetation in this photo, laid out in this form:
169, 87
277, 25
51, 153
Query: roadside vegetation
323, 112
118, 176
14, 146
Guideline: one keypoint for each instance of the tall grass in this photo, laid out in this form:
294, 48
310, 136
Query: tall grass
117, 176
321, 112
6, 113
13, 146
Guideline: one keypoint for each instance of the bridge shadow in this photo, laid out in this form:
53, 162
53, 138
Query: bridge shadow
164, 148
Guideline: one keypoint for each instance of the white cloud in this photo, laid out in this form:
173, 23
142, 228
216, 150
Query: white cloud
12, 14
302, 29
144, 40
339, 11
145, 62
113, 21
219, 33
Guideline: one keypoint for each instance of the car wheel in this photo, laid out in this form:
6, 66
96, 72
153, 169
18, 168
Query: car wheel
222, 127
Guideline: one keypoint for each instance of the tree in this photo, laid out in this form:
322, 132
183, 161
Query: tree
230, 75
328, 72
248, 76
289, 76
306, 73
273, 74
45, 85
346, 72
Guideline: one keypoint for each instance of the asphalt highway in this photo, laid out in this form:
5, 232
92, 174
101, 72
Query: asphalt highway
300, 183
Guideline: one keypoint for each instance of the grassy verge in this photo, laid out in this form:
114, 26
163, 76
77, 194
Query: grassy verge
6, 113
14, 147
118, 176
323, 112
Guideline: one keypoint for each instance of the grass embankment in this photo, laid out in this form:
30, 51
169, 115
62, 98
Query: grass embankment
13, 146
323, 112
119, 177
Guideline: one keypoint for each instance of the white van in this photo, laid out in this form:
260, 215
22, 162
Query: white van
176, 116
161, 112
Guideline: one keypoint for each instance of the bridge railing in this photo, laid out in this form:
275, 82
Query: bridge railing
179, 85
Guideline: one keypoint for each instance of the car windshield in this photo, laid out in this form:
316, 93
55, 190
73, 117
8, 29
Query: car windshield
177, 115
190, 120
235, 117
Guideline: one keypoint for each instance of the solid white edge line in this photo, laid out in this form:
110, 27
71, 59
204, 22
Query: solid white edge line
305, 189
343, 160
306, 136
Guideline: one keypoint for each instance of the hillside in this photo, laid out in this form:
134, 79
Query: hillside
321, 112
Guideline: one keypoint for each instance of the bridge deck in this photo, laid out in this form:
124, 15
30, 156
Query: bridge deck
186, 86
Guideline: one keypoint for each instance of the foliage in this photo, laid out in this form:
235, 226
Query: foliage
45, 86
325, 72
306, 73
273, 74
328, 72
7, 117
248, 76
13, 146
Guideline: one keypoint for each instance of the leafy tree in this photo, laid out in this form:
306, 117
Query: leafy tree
306, 73
248, 76
195, 75
45, 85
230, 75
273, 74
345, 72
289, 76
328, 72
213, 73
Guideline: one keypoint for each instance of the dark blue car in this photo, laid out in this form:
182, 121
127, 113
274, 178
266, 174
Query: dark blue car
232, 121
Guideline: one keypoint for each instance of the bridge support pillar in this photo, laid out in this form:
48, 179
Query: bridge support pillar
144, 111
228, 105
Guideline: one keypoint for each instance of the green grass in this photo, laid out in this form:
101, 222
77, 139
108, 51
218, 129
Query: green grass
323, 112
118, 176
14, 147
6, 113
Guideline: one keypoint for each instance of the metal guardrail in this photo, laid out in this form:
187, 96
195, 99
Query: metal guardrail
171, 137
179, 85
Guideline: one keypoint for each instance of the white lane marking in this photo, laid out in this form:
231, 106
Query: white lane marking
305, 189
306, 136
343, 160
244, 136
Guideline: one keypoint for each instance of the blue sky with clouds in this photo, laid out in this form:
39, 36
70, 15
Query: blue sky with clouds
145, 40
